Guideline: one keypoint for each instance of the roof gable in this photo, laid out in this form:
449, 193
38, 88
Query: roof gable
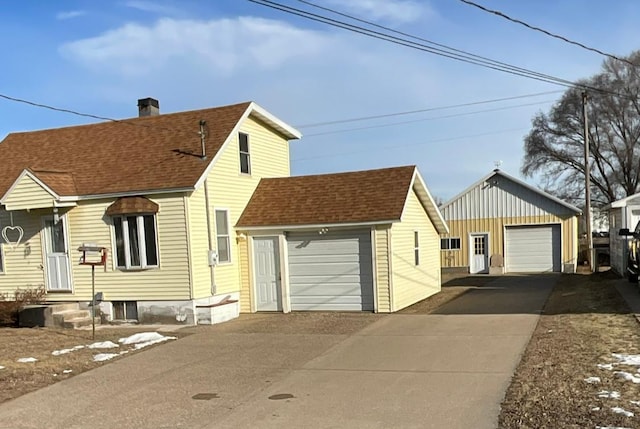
372, 196
142, 155
28, 191
499, 194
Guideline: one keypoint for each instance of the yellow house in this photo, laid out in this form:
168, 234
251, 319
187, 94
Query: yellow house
501, 224
162, 194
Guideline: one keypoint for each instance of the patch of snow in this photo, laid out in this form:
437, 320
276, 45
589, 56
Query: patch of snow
625, 359
67, 371
62, 352
1, 367
606, 394
592, 380
627, 376
619, 410
635, 402
78, 347
101, 357
124, 352
595, 409
103, 345
27, 360
144, 339
55, 375
607, 366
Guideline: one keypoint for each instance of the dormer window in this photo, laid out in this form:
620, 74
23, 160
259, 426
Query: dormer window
245, 157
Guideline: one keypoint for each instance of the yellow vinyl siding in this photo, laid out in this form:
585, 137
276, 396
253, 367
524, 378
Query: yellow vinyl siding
231, 190
23, 265
412, 283
381, 235
199, 244
27, 194
245, 276
495, 228
89, 224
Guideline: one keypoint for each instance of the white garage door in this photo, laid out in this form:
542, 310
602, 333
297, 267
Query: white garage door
533, 248
332, 271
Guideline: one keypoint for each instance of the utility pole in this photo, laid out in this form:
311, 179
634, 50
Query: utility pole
587, 182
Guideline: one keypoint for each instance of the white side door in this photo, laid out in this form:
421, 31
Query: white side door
479, 253
267, 274
56, 255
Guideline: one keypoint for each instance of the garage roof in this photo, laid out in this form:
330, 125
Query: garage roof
371, 196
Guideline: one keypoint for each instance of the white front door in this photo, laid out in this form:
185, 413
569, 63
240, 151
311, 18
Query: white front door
57, 254
479, 253
267, 274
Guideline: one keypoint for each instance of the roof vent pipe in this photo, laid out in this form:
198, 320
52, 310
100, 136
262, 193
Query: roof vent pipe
148, 107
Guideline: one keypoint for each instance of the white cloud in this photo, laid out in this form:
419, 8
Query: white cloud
70, 14
396, 11
223, 45
153, 7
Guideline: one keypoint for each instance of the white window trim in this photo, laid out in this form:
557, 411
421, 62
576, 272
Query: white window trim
248, 153
228, 235
416, 248
449, 244
141, 242
3, 268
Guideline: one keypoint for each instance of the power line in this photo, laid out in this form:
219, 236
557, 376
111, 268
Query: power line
88, 115
431, 109
370, 149
457, 115
548, 33
491, 64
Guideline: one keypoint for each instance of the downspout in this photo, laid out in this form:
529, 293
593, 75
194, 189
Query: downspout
207, 209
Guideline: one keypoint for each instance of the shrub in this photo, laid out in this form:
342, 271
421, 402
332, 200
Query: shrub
10, 306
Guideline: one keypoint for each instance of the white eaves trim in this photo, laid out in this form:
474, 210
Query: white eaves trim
417, 184
315, 226
498, 172
33, 177
623, 202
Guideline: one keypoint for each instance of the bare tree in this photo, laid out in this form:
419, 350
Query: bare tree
554, 148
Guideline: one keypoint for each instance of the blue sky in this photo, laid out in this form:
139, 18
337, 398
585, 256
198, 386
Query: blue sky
100, 57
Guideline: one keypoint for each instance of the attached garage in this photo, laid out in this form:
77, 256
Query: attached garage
533, 249
332, 271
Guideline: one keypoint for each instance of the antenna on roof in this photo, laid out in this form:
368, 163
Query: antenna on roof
497, 164
202, 137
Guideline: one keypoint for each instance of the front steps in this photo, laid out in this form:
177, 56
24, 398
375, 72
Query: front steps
68, 316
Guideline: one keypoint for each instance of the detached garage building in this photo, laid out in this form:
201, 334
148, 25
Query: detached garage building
502, 224
357, 241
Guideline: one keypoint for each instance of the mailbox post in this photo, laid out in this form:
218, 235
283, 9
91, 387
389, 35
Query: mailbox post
93, 255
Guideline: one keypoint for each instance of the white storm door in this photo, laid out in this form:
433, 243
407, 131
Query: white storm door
267, 274
57, 254
479, 254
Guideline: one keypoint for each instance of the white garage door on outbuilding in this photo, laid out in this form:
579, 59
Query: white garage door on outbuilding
331, 271
533, 248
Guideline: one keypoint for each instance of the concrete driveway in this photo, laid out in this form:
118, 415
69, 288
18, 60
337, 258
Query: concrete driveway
447, 370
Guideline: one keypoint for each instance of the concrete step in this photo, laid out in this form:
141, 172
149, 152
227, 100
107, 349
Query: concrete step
79, 322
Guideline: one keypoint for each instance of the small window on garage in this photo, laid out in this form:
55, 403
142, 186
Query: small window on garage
452, 243
416, 247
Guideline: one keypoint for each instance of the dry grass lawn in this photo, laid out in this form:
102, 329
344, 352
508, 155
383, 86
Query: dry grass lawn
19, 378
584, 322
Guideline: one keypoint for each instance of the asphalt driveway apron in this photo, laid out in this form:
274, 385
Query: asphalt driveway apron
446, 370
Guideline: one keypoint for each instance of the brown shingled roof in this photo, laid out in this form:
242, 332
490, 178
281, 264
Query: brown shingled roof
132, 155
353, 197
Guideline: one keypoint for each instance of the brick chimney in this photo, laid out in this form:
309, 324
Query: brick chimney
148, 107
